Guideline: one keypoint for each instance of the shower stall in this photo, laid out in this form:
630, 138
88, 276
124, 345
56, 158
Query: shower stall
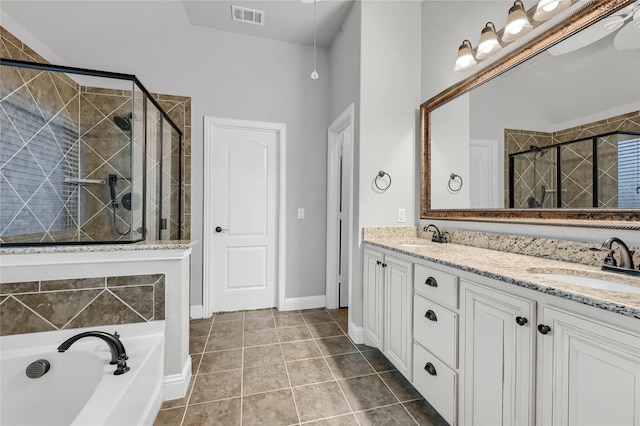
85, 157
601, 171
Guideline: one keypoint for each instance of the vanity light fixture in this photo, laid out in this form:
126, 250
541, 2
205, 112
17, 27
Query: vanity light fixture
465, 58
547, 9
489, 43
517, 23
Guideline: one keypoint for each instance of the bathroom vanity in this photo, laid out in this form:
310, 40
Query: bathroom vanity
489, 337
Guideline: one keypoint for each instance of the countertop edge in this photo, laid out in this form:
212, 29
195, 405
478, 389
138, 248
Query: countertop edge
583, 299
102, 248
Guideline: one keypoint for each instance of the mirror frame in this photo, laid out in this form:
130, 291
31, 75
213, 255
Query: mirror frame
585, 16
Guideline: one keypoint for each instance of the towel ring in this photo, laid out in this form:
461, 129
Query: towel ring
452, 178
382, 174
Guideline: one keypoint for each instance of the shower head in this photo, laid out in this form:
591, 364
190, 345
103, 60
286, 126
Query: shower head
123, 123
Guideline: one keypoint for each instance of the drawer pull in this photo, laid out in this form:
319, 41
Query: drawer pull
431, 282
431, 316
429, 368
521, 320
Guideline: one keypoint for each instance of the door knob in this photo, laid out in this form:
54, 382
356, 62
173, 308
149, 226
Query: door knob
544, 329
219, 229
521, 320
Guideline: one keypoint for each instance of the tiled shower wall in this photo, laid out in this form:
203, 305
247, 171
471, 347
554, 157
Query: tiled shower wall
30, 307
576, 158
104, 149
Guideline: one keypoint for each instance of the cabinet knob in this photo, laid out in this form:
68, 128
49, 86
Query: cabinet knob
384, 265
431, 316
378, 262
429, 368
521, 320
431, 282
544, 329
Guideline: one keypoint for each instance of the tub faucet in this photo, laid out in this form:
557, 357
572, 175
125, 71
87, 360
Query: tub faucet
437, 237
626, 258
118, 353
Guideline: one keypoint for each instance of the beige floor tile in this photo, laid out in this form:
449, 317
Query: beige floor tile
259, 313
308, 371
291, 334
259, 356
349, 365
339, 314
325, 329
400, 386
214, 386
378, 361
300, 350
316, 317
228, 316
196, 344
225, 335
260, 337
220, 413
171, 417
289, 321
213, 362
336, 345
270, 408
255, 324
264, 379
391, 415
319, 401
199, 329
367, 392
346, 420
424, 413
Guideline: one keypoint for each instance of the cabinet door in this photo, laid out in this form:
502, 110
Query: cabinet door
498, 360
398, 317
372, 295
590, 372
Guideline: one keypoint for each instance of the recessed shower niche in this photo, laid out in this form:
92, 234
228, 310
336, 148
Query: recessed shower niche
85, 157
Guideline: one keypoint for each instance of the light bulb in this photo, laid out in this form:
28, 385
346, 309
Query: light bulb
314, 75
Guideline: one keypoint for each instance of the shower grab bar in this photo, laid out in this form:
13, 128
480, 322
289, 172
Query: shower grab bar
84, 181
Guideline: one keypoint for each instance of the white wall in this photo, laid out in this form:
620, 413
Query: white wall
226, 75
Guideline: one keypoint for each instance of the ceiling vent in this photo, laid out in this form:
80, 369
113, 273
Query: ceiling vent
250, 16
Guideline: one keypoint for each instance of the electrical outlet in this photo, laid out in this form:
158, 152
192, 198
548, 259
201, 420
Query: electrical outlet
402, 215
301, 213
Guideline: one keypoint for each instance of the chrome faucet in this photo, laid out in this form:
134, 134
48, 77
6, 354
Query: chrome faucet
626, 258
118, 353
437, 237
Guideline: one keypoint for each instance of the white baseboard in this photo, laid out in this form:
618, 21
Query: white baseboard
196, 312
175, 386
356, 333
309, 302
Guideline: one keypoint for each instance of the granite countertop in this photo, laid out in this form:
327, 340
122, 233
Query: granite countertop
143, 245
521, 270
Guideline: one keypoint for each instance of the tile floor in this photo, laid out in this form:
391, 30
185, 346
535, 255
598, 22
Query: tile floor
289, 368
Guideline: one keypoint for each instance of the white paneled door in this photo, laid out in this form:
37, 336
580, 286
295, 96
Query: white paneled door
243, 222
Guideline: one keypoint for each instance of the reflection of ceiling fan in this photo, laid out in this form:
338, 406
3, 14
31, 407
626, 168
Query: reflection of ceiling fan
626, 22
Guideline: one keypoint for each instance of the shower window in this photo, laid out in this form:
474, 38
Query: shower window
75, 157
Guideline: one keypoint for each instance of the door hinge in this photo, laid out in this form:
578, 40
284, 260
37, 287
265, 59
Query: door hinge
339, 215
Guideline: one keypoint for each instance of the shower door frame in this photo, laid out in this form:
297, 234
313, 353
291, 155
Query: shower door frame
134, 80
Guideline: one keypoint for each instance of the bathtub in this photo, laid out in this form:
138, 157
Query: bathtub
80, 387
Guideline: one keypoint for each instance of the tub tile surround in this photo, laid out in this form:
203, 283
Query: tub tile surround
517, 260
80, 120
35, 306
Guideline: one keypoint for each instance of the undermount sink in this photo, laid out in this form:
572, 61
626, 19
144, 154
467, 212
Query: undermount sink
587, 279
416, 243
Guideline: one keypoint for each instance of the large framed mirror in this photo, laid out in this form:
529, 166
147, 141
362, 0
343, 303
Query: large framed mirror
550, 130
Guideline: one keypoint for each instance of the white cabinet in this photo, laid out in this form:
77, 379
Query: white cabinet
373, 292
497, 355
589, 372
387, 310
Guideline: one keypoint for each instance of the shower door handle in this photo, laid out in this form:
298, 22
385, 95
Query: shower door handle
219, 229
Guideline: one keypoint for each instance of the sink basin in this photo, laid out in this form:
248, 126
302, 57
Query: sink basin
416, 243
588, 279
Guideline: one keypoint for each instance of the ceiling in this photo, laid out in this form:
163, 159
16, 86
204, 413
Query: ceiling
285, 20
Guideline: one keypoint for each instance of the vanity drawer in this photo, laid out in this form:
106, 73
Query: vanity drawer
436, 328
436, 382
436, 285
